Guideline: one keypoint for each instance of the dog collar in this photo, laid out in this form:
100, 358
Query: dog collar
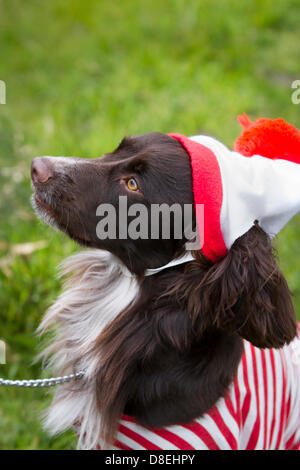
175, 262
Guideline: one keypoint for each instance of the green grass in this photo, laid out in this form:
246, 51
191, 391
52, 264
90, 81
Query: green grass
80, 76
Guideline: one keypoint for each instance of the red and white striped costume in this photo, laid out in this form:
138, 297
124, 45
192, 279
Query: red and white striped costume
260, 411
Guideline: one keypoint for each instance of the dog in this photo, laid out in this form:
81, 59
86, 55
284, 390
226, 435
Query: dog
199, 355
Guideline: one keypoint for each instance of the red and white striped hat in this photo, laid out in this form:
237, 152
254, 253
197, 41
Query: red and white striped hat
236, 190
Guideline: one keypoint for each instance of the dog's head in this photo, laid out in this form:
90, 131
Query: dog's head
245, 293
75, 194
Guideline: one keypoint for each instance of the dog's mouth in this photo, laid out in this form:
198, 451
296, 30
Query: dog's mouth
43, 206
48, 214
45, 211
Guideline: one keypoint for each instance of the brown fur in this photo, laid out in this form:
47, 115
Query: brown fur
174, 350
172, 354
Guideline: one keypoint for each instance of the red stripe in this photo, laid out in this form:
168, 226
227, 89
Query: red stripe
264, 369
168, 435
283, 409
288, 407
247, 399
203, 434
138, 438
217, 418
255, 430
122, 446
274, 395
208, 190
289, 444
296, 447
177, 441
229, 405
131, 419
238, 401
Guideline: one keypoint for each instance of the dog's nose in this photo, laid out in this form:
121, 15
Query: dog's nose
41, 170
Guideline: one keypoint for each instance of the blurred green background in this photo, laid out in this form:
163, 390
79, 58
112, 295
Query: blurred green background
81, 75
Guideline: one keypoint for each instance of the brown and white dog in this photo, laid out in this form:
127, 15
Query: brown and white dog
163, 349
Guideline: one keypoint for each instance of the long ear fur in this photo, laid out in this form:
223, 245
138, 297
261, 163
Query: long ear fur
154, 366
245, 293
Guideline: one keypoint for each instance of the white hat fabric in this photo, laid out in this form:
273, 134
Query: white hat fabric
256, 188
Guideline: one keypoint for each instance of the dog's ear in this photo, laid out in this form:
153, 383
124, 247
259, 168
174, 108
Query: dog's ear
245, 293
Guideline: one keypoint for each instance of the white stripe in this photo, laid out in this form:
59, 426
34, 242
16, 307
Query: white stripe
261, 396
241, 384
293, 390
211, 427
189, 436
278, 404
228, 418
270, 388
134, 445
252, 413
231, 393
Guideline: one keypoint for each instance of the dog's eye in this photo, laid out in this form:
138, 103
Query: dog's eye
132, 184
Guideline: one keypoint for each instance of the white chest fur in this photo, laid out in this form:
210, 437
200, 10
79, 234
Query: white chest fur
96, 291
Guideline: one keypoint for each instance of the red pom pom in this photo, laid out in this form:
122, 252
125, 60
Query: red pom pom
244, 120
271, 138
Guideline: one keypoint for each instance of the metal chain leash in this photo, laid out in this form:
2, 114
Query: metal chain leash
41, 383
